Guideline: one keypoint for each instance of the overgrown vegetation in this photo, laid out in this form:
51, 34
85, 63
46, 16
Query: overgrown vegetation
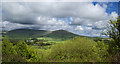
70, 48
18, 53
114, 44
75, 50
78, 50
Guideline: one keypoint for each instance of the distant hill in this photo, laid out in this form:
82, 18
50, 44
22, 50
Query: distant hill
61, 34
24, 33
31, 33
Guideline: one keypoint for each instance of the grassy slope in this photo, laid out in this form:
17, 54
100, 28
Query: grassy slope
26, 33
61, 35
30, 33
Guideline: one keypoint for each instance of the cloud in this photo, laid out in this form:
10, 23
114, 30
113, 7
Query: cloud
85, 18
28, 12
6, 25
78, 28
61, 1
49, 21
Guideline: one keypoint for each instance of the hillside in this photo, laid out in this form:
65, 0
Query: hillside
31, 33
26, 33
61, 34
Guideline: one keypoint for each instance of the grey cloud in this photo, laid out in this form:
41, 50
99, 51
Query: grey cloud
28, 12
44, 16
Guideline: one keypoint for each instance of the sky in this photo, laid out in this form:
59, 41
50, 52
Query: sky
82, 18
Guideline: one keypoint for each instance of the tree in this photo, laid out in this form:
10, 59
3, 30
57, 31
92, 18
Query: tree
114, 33
8, 50
22, 48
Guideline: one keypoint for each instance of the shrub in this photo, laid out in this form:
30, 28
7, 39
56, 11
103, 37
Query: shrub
114, 51
76, 50
21, 48
113, 32
20, 52
32, 55
103, 50
9, 53
27, 53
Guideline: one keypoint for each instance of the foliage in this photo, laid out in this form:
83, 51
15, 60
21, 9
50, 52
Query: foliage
103, 50
114, 31
32, 55
8, 52
21, 48
18, 53
78, 50
114, 43
6, 49
114, 51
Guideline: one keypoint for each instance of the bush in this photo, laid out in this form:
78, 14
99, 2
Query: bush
27, 53
76, 50
32, 55
21, 48
18, 53
9, 53
103, 50
114, 51
113, 32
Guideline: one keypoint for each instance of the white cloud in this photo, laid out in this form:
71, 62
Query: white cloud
28, 12
49, 21
78, 28
45, 16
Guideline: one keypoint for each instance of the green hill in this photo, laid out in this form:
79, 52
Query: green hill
61, 34
26, 33
31, 33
